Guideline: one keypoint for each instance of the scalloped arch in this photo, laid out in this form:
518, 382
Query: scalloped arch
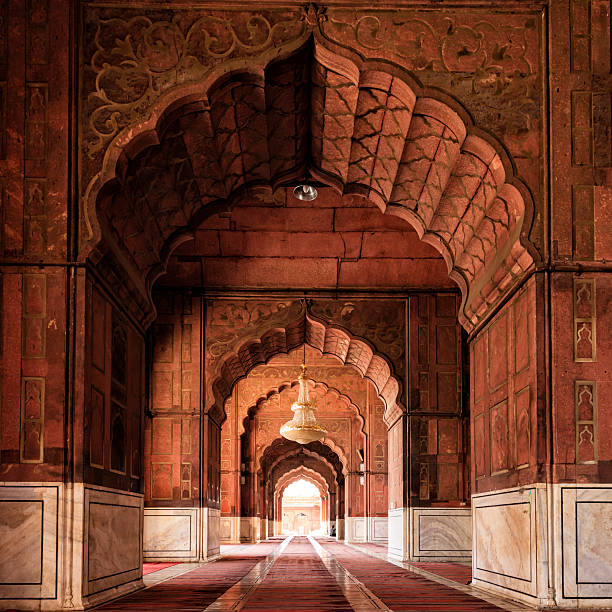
349, 350
292, 384
361, 127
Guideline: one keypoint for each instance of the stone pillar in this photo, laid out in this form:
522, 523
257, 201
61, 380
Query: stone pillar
398, 545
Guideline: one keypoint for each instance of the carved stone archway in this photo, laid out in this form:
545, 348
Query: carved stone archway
351, 351
362, 127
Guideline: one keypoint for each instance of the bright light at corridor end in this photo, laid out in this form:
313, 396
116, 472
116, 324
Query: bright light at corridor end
305, 192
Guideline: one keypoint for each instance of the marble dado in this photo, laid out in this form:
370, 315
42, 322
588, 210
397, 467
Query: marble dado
583, 529
512, 545
355, 529
441, 534
398, 531
171, 534
378, 529
29, 528
96, 532
112, 542
210, 533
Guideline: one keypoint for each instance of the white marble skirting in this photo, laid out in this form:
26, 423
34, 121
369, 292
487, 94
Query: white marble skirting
517, 531
442, 534
378, 529
68, 546
398, 531
171, 534
355, 529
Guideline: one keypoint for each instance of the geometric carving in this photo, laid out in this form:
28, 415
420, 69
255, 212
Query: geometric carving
584, 320
185, 480
186, 343
35, 217
34, 312
499, 437
580, 35
36, 121
521, 335
97, 431
161, 436
498, 353
32, 419
522, 409
424, 481
98, 330
448, 388
479, 446
583, 238
161, 480
423, 163
38, 32
163, 343
586, 421
161, 390
118, 441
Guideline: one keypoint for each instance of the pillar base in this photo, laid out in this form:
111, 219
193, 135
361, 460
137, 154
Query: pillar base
398, 544
517, 530
68, 547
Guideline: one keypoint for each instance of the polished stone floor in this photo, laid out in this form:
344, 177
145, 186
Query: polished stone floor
308, 574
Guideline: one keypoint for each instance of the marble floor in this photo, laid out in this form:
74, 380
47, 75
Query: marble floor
315, 574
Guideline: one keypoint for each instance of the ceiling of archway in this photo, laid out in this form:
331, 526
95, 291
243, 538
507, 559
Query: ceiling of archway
364, 127
279, 242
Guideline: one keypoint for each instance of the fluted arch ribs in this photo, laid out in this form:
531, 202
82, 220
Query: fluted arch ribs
350, 351
361, 129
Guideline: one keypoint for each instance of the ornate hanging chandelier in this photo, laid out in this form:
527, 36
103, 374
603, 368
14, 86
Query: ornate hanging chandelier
303, 427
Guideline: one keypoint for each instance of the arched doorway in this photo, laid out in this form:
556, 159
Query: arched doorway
301, 509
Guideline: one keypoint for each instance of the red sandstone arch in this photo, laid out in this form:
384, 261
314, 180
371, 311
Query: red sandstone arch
349, 350
291, 385
362, 127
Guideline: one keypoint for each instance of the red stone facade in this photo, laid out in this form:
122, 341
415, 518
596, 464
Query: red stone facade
158, 278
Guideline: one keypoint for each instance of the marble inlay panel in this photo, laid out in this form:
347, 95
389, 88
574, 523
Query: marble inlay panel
585, 526
113, 548
441, 532
503, 540
167, 533
21, 534
29, 515
398, 540
594, 541
113, 538
378, 528
355, 528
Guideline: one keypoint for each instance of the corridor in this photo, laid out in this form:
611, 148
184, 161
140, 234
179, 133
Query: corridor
306, 573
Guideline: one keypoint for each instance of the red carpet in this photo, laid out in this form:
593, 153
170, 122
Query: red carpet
452, 571
400, 589
149, 568
298, 580
196, 589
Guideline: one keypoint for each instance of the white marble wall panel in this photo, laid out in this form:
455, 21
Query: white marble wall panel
441, 533
339, 529
170, 534
29, 520
210, 530
510, 543
583, 529
112, 538
355, 529
248, 529
398, 534
378, 529
229, 529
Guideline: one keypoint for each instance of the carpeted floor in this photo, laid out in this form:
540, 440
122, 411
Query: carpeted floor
149, 568
400, 589
298, 580
196, 589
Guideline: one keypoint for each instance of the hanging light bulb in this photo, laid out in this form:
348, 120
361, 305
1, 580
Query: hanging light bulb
305, 192
303, 427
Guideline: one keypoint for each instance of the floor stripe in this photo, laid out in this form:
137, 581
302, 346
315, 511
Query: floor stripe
235, 596
357, 594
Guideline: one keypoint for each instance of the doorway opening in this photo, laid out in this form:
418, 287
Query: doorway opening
301, 509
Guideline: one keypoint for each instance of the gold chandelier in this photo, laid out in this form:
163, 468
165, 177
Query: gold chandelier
303, 427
